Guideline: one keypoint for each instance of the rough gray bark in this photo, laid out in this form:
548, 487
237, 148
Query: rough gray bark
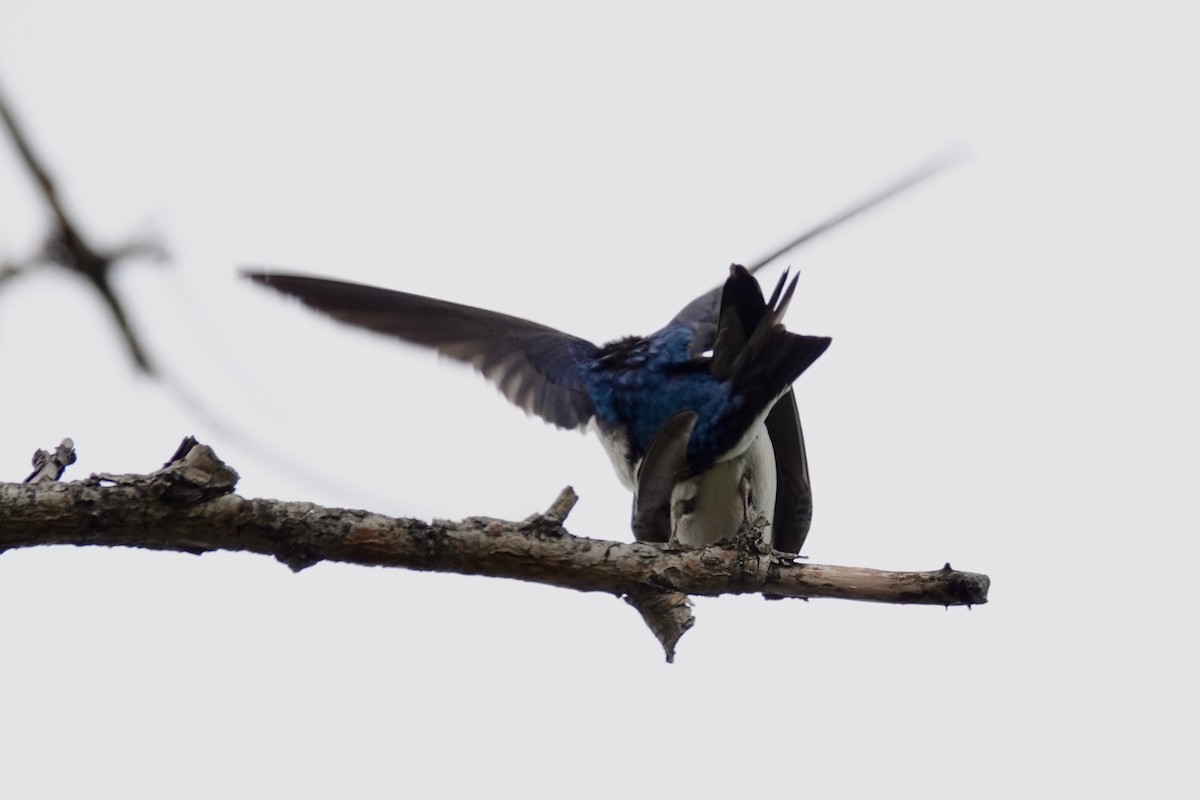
189, 506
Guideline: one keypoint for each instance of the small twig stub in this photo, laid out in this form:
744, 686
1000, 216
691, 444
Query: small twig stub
49, 466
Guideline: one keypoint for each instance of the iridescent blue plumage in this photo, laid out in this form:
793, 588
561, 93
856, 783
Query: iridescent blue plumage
637, 384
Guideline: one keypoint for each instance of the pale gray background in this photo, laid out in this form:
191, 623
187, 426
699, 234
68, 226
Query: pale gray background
1011, 387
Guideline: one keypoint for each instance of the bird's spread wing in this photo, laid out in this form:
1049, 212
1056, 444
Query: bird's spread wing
536, 367
700, 315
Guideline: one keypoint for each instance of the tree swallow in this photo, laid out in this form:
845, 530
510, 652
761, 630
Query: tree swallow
698, 418
717, 450
683, 495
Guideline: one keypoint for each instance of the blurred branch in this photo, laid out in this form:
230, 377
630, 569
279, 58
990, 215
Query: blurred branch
9, 270
189, 506
65, 246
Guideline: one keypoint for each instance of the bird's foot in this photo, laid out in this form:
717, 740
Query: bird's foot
673, 542
744, 490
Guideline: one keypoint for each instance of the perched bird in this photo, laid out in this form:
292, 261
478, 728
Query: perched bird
698, 418
682, 495
634, 392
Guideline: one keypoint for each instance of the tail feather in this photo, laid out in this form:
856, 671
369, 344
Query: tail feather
755, 353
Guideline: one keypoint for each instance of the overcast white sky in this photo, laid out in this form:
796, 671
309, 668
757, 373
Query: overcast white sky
1011, 388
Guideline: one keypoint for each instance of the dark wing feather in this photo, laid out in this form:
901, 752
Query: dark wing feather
793, 498
664, 465
700, 315
536, 367
742, 307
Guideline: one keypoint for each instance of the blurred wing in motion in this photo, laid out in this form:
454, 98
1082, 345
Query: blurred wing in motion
536, 367
700, 315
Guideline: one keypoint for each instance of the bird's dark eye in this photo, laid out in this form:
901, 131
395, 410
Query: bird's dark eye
687, 506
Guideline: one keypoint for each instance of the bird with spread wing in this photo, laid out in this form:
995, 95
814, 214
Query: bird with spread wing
698, 418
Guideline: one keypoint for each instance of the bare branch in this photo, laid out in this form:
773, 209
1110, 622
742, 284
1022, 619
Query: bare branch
10, 270
189, 506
